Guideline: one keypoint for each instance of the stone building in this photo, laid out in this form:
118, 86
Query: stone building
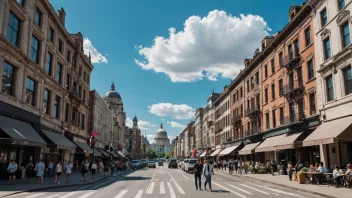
199, 129
161, 142
45, 80
332, 40
223, 127
188, 136
134, 148
209, 122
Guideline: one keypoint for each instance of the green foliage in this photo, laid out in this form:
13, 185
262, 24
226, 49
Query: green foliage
161, 155
151, 153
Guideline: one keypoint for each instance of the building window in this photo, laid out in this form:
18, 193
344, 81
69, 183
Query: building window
69, 57
257, 78
266, 71
48, 64
46, 101
327, 49
347, 73
296, 47
51, 34
248, 85
84, 96
330, 88
35, 50
273, 91
290, 51
66, 112
258, 101
83, 121
57, 107
341, 4
267, 119
274, 118
281, 87
310, 70
307, 35
38, 17
8, 79
324, 17
61, 46
241, 91
346, 40
21, 2
30, 91
281, 116
281, 59
273, 66
312, 103
13, 29
266, 96
58, 73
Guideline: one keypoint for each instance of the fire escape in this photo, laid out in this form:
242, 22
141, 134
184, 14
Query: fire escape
253, 112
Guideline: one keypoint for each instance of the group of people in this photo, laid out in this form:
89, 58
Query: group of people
206, 170
237, 166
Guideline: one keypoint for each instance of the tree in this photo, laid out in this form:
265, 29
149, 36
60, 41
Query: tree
151, 153
169, 154
161, 155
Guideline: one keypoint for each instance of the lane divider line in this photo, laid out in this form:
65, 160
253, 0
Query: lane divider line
151, 187
233, 192
255, 189
240, 189
278, 191
179, 188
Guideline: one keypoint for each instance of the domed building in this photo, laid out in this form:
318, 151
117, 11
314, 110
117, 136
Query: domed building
161, 141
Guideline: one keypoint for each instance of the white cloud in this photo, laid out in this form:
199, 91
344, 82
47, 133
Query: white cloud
143, 125
176, 111
97, 57
174, 124
129, 122
150, 138
208, 47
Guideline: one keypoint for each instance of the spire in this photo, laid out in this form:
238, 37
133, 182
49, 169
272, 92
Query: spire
113, 86
161, 125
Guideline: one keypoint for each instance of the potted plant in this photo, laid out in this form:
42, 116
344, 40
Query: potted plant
301, 176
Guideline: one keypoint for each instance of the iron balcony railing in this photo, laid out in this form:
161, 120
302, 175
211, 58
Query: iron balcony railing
293, 118
290, 61
252, 111
76, 93
292, 86
253, 131
235, 119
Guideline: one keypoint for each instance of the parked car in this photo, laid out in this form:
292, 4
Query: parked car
144, 163
151, 164
180, 162
172, 163
124, 166
184, 164
160, 163
189, 167
135, 164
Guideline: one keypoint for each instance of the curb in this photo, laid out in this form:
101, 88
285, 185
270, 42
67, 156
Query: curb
286, 186
64, 186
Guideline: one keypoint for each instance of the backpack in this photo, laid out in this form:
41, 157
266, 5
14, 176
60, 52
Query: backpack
83, 167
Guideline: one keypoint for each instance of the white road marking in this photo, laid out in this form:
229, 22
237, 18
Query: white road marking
275, 194
69, 194
151, 181
255, 189
240, 189
87, 194
150, 189
51, 196
236, 193
172, 178
122, 193
183, 175
139, 194
15, 195
162, 188
172, 192
36, 195
179, 188
279, 191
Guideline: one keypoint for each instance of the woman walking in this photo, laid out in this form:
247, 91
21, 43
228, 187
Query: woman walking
289, 170
58, 171
29, 169
207, 172
84, 170
68, 171
94, 169
40, 167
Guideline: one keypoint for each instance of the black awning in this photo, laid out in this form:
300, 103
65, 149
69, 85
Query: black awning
22, 133
59, 141
97, 153
104, 152
85, 147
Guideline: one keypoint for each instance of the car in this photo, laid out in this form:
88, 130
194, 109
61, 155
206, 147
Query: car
180, 163
135, 164
151, 164
189, 167
184, 164
172, 163
160, 163
143, 163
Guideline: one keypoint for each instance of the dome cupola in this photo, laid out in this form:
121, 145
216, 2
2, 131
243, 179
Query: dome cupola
113, 94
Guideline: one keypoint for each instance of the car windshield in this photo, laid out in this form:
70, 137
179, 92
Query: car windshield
143, 160
186, 161
151, 161
134, 161
192, 161
173, 161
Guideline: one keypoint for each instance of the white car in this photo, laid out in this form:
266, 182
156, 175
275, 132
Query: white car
184, 164
180, 163
151, 164
189, 167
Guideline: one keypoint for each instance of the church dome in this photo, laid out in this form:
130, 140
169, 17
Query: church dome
161, 133
113, 94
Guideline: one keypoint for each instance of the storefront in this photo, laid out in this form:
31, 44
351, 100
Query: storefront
247, 152
83, 151
228, 153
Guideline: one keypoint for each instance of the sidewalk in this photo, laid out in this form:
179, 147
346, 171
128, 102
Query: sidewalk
49, 182
282, 180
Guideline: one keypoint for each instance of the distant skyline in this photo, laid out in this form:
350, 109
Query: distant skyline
166, 57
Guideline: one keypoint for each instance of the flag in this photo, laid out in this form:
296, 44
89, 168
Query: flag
94, 133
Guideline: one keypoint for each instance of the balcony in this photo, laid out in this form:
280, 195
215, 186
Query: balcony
290, 61
293, 118
235, 119
253, 131
255, 111
293, 89
76, 93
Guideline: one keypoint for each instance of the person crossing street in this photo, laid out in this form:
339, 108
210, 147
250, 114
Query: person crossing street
198, 168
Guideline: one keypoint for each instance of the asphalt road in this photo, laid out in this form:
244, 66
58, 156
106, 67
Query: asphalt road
173, 183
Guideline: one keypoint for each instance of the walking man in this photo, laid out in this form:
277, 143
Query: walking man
198, 168
84, 170
207, 171
12, 172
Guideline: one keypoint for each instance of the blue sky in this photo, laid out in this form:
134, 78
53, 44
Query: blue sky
201, 46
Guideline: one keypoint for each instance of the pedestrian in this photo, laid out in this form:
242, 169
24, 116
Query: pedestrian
236, 166
12, 168
224, 164
112, 166
207, 172
101, 167
58, 171
94, 169
198, 168
229, 165
106, 169
50, 168
289, 170
84, 170
244, 167
68, 171
40, 167
29, 169
240, 167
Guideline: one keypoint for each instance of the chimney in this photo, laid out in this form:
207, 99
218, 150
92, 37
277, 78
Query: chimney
62, 15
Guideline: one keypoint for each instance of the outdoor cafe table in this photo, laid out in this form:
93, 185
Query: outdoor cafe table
314, 177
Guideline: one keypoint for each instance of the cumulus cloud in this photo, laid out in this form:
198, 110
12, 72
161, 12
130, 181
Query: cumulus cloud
209, 47
97, 57
129, 122
176, 111
174, 124
143, 125
150, 138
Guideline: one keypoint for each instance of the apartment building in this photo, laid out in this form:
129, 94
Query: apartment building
237, 105
223, 127
199, 129
209, 122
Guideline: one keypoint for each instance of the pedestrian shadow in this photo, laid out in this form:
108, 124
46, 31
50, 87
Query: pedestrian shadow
221, 191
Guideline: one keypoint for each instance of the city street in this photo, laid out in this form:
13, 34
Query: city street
164, 182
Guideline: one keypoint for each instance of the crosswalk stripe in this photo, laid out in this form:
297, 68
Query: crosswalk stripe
139, 194
122, 193
87, 194
179, 188
172, 192
240, 189
233, 192
36, 195
162, 188
69, 194
255, 189
279, 191
15, 195
51, 196
151, 187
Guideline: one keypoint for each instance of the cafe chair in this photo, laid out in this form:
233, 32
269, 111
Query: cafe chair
329, 180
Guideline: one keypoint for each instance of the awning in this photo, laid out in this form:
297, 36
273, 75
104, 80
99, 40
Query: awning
115, 155
60, 141
105, 153
248, 149
228, 150
22, 133
215, 153
85, 147
97, 153
280, 142
203, 154
331, 132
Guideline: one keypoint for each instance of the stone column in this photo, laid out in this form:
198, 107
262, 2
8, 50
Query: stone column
323, 154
